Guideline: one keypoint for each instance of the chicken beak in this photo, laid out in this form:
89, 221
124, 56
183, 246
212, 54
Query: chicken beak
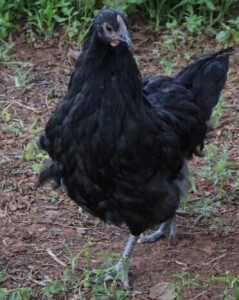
125, 39
123, 34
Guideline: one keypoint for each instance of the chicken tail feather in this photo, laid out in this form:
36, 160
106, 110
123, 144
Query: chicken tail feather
206, 79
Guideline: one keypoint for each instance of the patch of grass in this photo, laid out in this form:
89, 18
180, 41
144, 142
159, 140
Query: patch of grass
21, 293
5, 114
204, 207
5, 18
182, 281
231, 291
92, 281
73, 258
4, 50
53, 196
13, 126
52, 288
217, 114
31, 153
217, 169
34, 128
228, 32
176, 40
101, 287
42, 17
221, 227
21, 77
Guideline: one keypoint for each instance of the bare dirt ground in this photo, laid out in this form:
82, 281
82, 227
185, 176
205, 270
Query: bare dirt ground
33, 221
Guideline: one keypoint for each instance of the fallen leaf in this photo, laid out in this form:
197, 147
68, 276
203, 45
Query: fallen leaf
161, 291
2, 213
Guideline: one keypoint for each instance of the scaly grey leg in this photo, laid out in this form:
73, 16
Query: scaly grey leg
171, 223
120, 270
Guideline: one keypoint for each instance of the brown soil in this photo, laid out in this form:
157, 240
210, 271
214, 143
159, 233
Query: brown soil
33, 221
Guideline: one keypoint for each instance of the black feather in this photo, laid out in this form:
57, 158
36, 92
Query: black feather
118, 143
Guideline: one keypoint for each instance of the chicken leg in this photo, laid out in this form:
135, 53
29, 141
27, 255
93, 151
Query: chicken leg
120, 270
171, 224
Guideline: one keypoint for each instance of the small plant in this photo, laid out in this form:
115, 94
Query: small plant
5, 18
2, 276
34, 128
221, 227
33, 154
21, 293
204, 207
124, 5
194, 23
217, 114
167, 65
224, 36
42, 17
4, 50
73, 16
97, 280
217, 169
94, 280
20, 78
231, 292
184, 280
15, 127
73, 258
4, 293
5, 114
53, 196
176, 35
59, 287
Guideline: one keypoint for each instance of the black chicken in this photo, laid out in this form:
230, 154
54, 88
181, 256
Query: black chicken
119, 144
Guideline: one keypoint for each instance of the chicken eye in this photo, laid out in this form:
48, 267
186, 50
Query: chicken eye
108, 28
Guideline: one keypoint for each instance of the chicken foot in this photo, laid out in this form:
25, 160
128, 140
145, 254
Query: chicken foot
171, 224
121, 270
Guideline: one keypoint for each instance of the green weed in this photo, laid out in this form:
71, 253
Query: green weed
204, 207
5, 114
216, 169
5, 18
97, 282
183, 280
52, 288
34, 128
53, 196
217, 114
4, 50
20, 78
31, 153
231, 292
73, 258
21, 293
2, 276
228, 33
44, 16
13, 126
221, 227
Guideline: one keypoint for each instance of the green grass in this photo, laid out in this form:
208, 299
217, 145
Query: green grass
231, 291
182, 281
30, 151
71, 283
44, 17
217, 168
